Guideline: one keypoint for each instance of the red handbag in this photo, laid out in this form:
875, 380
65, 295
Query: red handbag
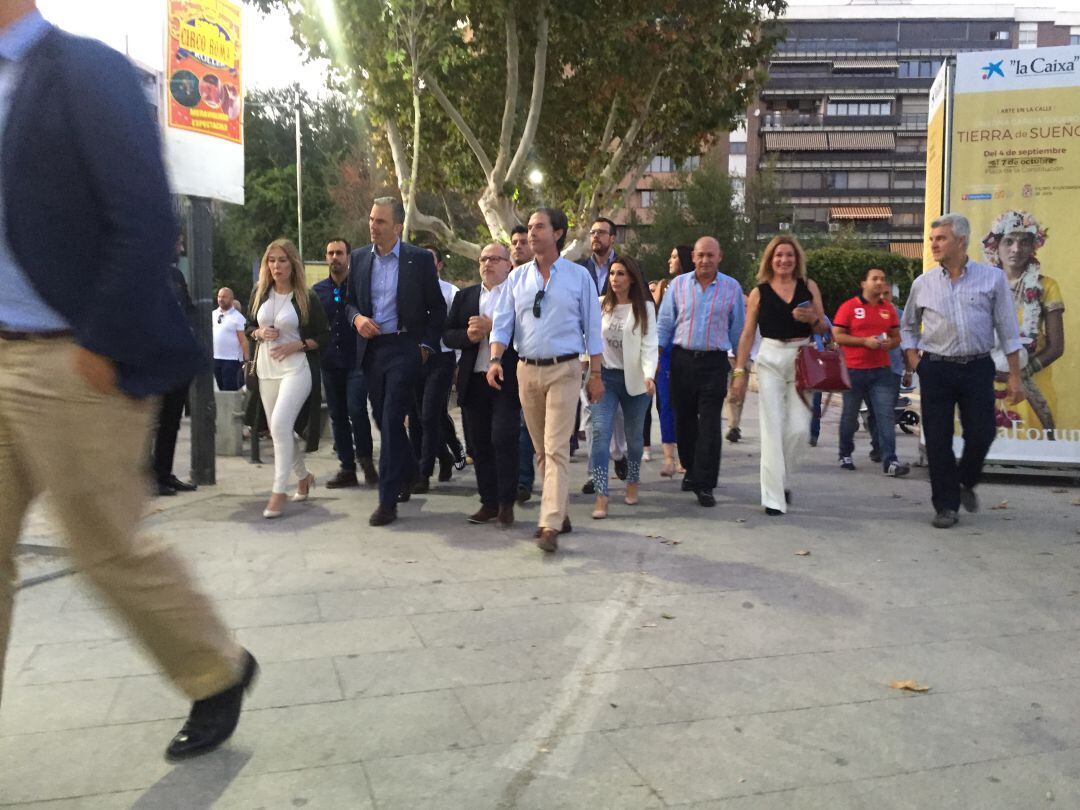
821, 370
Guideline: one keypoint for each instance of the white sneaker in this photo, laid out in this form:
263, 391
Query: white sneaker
645, 456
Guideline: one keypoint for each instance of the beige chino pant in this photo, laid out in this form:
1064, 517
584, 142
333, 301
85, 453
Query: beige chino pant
87, 450
549, 396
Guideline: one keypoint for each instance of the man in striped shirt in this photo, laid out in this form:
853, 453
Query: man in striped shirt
702, 314
947, 332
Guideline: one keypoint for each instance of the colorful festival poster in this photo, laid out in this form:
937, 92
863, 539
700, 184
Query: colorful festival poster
935, 158
1016, 175
205, 92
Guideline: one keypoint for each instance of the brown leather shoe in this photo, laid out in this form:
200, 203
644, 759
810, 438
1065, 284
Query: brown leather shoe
484, 515
382, 516
343, 479
505, 517
371, 475
548, 540
566, 528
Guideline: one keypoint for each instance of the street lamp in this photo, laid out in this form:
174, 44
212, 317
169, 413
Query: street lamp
536, 177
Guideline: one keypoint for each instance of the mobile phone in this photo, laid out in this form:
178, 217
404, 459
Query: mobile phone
805, 304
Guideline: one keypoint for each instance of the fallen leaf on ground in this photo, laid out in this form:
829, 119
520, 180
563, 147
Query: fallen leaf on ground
410, 562
666, 616
1002, 505
802, 553
740, 520
909, 686
667, 541
649, 624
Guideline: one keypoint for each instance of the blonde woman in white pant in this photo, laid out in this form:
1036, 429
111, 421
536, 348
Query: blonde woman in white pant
786, 307
290, 326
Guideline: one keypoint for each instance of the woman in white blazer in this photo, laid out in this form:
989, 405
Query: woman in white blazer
629, 367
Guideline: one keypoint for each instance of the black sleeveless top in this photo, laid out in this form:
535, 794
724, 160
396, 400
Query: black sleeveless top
774, 314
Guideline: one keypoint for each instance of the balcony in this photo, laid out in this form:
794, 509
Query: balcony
794, 119
845, 83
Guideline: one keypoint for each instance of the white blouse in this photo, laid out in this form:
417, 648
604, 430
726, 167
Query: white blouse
277, 310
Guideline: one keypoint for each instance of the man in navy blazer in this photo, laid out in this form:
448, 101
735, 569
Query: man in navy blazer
397, 308
89, 330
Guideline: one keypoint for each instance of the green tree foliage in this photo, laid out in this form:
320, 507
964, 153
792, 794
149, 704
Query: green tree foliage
470, 96
838, 270
707, 204
338, 182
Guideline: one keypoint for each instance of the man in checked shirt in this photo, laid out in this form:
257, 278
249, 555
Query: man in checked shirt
947, 333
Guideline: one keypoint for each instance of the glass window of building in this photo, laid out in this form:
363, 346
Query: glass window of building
1029, 35
737, 148
661, 164
645, 198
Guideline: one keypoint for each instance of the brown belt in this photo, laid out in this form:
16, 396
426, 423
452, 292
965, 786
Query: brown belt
6, 334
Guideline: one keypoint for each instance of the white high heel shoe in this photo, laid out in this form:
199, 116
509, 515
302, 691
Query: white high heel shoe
269, 514
303, 496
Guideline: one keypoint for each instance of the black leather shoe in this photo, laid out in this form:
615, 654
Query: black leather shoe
787, 496
969, 500
687, 485
381, 517
945, 519
588, 488
371, 475
213, 719
622, 468
705, 497
343, 479
180, 486
523, 494
422, 486
164, 489
734, 435
446, 471
772, 512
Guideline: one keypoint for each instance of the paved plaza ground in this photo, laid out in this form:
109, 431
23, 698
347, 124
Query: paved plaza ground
670, 656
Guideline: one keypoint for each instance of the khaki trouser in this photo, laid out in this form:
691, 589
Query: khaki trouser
87, 450
549, 401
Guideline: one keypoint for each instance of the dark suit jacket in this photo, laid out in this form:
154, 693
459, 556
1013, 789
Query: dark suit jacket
467, 305
590, 265
88, 212
420, 303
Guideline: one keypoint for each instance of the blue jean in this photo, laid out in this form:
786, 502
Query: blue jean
603, 421
346, 400
815, 416
663, 398
878, 387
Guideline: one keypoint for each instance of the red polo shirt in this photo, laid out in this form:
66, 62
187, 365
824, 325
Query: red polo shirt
863, 320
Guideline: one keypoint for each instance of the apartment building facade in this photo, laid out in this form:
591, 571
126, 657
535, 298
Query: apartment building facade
841, 120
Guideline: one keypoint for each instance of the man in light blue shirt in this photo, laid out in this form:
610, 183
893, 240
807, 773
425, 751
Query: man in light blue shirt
948, 329
21, 308
550, 310
702, 314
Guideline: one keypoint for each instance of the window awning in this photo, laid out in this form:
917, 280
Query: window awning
865, 64
795, 141
863, 97
862, 141
860, 212
909, 250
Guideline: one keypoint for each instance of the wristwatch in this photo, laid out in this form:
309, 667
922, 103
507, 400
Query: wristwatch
495, 360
